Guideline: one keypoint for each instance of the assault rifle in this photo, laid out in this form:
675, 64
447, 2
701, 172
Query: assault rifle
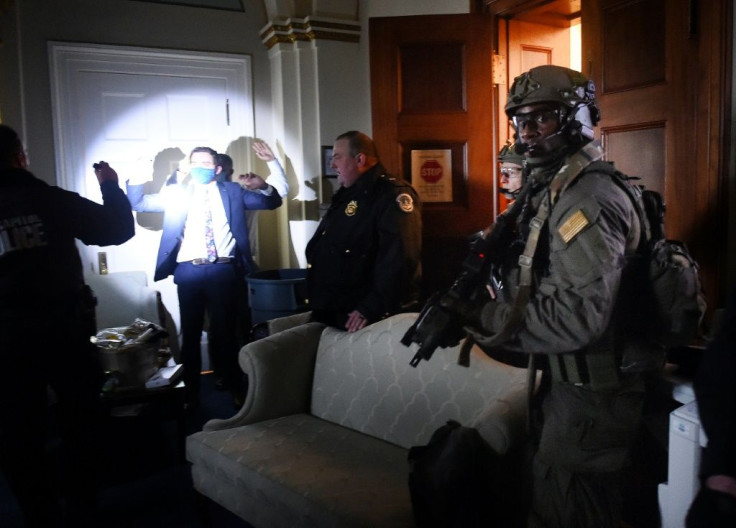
438, 324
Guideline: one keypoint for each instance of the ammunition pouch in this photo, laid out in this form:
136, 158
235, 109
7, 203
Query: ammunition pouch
597, 369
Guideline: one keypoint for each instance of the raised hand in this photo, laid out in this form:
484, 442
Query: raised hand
252, 181
263, 151
104, 172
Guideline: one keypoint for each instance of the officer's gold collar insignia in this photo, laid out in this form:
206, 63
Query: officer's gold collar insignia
406, 202
573, 226
351, 208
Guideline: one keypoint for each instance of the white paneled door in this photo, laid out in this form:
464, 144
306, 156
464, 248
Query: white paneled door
143, 111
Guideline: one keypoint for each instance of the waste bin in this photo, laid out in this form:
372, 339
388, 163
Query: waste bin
276, 293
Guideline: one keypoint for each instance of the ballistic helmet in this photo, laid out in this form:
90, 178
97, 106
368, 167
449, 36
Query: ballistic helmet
564, 88
508, 154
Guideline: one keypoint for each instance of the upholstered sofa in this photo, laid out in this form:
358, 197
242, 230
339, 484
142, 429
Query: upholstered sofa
323, 436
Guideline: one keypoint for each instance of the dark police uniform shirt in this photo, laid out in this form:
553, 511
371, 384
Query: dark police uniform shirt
39, 262
365, 254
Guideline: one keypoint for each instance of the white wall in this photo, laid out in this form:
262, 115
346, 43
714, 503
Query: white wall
25, 102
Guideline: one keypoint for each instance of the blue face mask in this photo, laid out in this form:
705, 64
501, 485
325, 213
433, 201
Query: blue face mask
202, 175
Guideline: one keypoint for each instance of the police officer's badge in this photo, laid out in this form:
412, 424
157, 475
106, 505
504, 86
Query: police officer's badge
406, 202
351, 208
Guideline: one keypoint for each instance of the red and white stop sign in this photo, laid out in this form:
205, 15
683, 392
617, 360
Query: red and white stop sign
431, 171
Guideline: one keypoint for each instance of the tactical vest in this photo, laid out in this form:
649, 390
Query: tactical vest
597, 366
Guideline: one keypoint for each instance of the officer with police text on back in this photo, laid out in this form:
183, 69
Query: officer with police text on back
46, 320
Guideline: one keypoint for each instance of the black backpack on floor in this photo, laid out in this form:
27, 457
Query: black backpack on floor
451, 480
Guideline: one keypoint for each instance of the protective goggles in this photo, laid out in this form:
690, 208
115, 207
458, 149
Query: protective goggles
536, 118
510, 172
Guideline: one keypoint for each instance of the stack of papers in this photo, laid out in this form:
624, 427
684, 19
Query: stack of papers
165, 377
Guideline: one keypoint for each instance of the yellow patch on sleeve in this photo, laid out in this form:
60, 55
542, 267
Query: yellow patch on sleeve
573, 226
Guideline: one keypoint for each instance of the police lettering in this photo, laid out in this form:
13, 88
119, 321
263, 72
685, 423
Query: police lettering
20, 233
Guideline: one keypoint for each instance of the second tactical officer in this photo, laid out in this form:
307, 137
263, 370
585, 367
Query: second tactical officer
512, 166
364, 259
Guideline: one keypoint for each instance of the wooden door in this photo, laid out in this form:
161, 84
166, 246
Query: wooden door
432, 90
533, 39
661, 69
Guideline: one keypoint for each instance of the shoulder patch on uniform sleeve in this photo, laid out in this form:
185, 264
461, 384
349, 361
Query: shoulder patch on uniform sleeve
406, 202
573, 225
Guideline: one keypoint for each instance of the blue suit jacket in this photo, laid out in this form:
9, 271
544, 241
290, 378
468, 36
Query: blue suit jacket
173, 201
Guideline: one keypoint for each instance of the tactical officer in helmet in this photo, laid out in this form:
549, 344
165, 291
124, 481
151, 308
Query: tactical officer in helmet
512, 165
565, 299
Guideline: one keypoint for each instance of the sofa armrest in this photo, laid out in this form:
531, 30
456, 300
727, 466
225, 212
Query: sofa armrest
280, 371
279, 324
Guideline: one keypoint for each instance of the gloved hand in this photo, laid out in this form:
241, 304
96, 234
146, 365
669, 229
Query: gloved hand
465, 311
453, 334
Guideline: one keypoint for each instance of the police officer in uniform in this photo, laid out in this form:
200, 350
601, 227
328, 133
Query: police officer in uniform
363, 262
565, 299
46, 320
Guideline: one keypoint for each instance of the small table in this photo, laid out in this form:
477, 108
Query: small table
169, 400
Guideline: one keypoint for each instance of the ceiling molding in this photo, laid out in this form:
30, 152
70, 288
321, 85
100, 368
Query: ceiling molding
309, 28
227, 5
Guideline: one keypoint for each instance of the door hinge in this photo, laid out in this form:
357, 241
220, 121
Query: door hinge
499, 69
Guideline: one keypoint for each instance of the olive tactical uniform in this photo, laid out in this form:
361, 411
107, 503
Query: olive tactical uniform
365, 254
587, 429
581, 274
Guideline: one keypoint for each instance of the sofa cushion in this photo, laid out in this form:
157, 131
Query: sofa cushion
363, 381
302, 471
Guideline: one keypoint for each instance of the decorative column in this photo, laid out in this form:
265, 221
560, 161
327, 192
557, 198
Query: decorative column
305, 54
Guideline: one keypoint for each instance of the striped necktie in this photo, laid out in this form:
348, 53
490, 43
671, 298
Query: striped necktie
209, 234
